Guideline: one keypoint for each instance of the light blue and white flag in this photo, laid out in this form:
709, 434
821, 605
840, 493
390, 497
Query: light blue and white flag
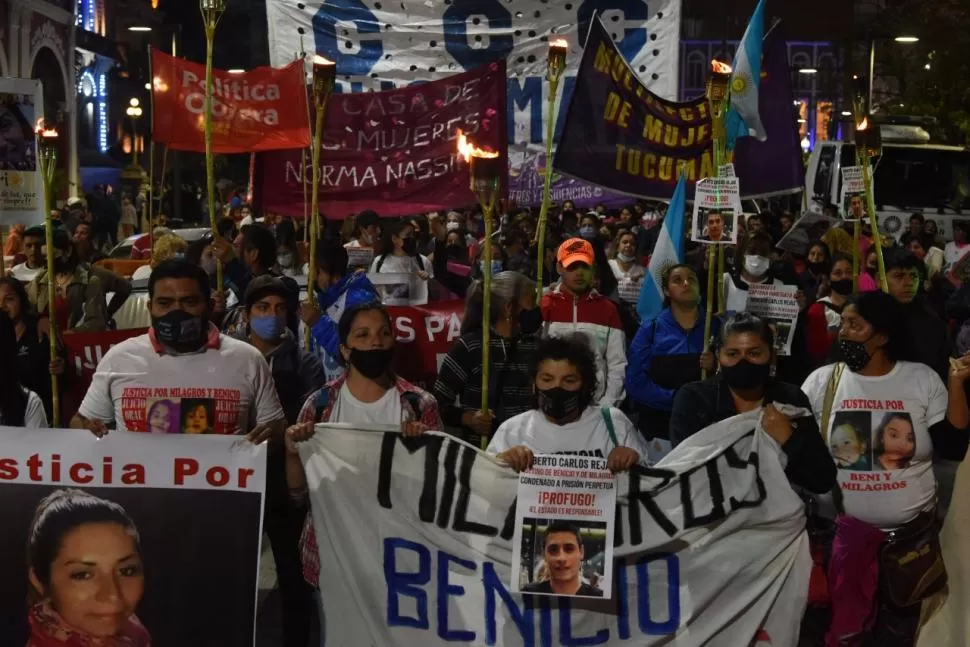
743, 118
668, 251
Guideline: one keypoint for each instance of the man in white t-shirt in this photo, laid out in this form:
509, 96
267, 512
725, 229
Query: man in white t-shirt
34, 265
368, 228
182, 376
246, 213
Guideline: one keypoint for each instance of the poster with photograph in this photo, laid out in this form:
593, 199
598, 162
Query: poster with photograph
777, 305
563, 541
853, 198
21, 184
399, 288
811, 226
133, 539
717, 205
358, 257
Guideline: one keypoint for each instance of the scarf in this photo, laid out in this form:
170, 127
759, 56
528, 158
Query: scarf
48, 629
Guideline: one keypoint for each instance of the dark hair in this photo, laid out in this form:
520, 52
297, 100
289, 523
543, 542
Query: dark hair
226, 227
917, 216
665, 278
886, 316
756, 237
823, 246
347, 320
744, 323
562, 526
838, 258
286, 234
262, 240
57, 515
899, 258
394, 228
179, 268
35, 232
13, 398
26, 307
879, 446
332, 258
570, 348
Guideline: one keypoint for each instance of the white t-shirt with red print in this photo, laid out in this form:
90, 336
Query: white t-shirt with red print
878, 434
227, 388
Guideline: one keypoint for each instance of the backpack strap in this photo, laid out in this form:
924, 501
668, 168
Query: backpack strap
830, 390
380, 263
608, 419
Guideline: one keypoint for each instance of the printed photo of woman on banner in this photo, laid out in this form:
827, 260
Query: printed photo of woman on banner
136, 540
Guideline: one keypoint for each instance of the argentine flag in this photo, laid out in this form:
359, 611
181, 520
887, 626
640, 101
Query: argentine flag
743, 118
668, 251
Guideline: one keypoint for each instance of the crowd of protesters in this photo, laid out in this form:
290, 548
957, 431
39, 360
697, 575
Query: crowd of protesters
575, 369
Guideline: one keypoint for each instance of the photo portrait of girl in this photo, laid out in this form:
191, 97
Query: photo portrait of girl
197, 416
895, 442
163, 417
85, 574
849, 441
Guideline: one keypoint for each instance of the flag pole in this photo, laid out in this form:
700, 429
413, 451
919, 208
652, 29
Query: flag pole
555, 66
212, 11
324, 77
48, 165
716, 91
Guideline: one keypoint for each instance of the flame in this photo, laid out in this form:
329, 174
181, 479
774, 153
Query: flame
468, 150
159, 84
718, 67
864, 125
559, 43
43, 131
320, 60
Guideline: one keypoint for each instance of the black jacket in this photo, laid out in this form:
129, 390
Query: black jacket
701, 404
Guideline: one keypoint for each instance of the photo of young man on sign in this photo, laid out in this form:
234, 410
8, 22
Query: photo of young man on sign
563, 558
714, 226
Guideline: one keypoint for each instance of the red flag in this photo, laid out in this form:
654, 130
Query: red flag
395, 151
261, 110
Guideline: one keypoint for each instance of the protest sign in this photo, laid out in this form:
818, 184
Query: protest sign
359, 257
620, 135
260, 110
709, 547
381, 45
173, 521
395, 152
563, 541
21, 184
853, 198
717, 206
399, 288
527, 180
777, 305
811, 226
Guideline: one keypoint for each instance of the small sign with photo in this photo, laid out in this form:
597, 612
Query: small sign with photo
717, 205
853, 198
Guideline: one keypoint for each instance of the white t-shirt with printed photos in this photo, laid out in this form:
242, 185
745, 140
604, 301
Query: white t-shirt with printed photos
878, 434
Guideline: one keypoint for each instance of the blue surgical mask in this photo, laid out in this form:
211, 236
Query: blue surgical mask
496, 267
588, 232
268, 327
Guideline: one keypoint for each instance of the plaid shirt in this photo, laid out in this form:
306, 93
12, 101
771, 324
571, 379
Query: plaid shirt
427, 413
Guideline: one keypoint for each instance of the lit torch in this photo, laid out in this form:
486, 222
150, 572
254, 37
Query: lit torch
324, 78
486, 169
48, 166
555, 66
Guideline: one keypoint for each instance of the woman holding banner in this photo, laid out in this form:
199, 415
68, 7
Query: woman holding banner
565, 417
369, 393
85, 573
516, 322
744, 350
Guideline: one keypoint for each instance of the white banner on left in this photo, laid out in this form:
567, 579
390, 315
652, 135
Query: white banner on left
123, 540
21, 183
415, 542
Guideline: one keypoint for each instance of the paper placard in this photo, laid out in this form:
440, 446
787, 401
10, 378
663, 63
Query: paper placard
853, 198
563, 541
717, 204
776, 304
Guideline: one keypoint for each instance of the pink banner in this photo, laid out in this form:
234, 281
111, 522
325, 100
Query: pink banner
394, 152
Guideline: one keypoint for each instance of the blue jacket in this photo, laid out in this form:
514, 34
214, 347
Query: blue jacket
658, 337
350, 291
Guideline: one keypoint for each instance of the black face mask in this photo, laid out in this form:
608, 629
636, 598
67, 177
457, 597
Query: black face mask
180, 331
530, 321
746, 375
854, 354
816, 268
454, 251
843, 287
560, 404
410, 246
372, 363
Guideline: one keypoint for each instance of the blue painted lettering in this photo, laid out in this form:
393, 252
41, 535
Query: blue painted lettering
447, 590
455, 25
406, 584
348, 13
648, 625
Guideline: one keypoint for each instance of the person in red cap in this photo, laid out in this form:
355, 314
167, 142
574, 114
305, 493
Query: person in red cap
574, 306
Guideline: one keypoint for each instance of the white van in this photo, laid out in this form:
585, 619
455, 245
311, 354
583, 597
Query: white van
912, 176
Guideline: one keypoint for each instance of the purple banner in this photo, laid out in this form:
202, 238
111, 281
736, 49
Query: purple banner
774, 166
526, 178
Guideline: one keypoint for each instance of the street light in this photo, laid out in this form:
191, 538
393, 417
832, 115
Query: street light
139, 28
134, 112
236, 70
907, 40
808, 70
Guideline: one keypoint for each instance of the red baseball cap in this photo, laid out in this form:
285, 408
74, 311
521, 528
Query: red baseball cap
575, 250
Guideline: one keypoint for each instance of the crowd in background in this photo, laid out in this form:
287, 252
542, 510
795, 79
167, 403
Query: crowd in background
572, 369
